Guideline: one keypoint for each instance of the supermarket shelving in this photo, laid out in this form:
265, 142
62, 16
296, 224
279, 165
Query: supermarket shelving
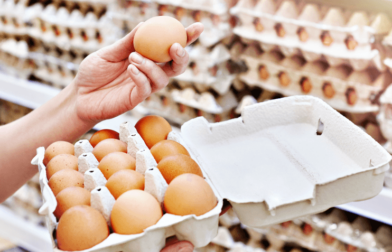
22, 232
33, 95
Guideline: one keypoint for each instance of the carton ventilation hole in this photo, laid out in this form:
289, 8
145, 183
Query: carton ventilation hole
142, 150
99, 189
80, 142
151, 169
320, 128
84, 155
133, 135
91, 171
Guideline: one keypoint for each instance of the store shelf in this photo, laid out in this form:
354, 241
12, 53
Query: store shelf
23, 233
33, 95
377, 208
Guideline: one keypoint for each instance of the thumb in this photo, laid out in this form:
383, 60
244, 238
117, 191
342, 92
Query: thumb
121, 49
182, 246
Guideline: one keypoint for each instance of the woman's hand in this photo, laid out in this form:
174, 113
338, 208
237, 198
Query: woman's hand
109, 82
115, 79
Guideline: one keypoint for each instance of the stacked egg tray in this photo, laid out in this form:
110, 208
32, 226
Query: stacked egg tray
214, 14
58, 35
339, 35
333, 230
207, 142
387, 43
342, 87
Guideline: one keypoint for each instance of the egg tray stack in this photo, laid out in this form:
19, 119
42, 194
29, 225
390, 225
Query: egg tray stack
328, 231
334, 71
26, 202
387, 45
10, 112
59, 36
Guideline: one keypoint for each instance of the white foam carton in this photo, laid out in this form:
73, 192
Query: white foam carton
280, 160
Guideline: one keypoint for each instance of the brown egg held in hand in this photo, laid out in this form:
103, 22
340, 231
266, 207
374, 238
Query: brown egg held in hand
102, 135
153, 129
80, 228
69, 197
65, 178
123, 181
154, 38
57, 148
108, 146
135, 211
166, 148
175, 165
189, 194
116, 161
61, 162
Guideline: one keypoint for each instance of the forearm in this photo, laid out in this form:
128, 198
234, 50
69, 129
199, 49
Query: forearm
55, 120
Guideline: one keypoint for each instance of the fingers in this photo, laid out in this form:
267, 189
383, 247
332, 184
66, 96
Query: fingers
157, 76
179, 55
182, 246
179, 63
193, 32
142, 88
121, 49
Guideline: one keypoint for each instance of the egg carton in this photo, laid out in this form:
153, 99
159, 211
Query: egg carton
312, 29
293, 133
12, 17
216, 20
288, 75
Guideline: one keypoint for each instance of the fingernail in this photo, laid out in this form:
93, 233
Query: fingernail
135, 57
180, 50
134, 70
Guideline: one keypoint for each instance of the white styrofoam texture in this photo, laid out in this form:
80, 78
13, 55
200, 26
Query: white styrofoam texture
277, 142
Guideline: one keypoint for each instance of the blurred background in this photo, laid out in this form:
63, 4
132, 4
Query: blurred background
251, 51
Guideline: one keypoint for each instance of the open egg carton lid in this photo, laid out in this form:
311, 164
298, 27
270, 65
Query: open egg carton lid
298, 137
315, 16
287, 158
217, 7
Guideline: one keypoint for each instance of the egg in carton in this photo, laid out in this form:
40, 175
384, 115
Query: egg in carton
60, 28
340, 179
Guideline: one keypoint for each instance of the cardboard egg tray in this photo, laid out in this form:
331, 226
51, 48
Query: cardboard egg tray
213, 14
59, 28
287, 158
208, 69
314, 30
287, 76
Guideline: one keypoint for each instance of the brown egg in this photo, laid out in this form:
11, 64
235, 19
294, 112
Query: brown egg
108, 146
124, 180
102, 135
56, 148
175, 165
69, 197
135, 211
154, 38
116, 161
65, 178
166, 148
189, 194
80, 228
153, 129
61, 162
